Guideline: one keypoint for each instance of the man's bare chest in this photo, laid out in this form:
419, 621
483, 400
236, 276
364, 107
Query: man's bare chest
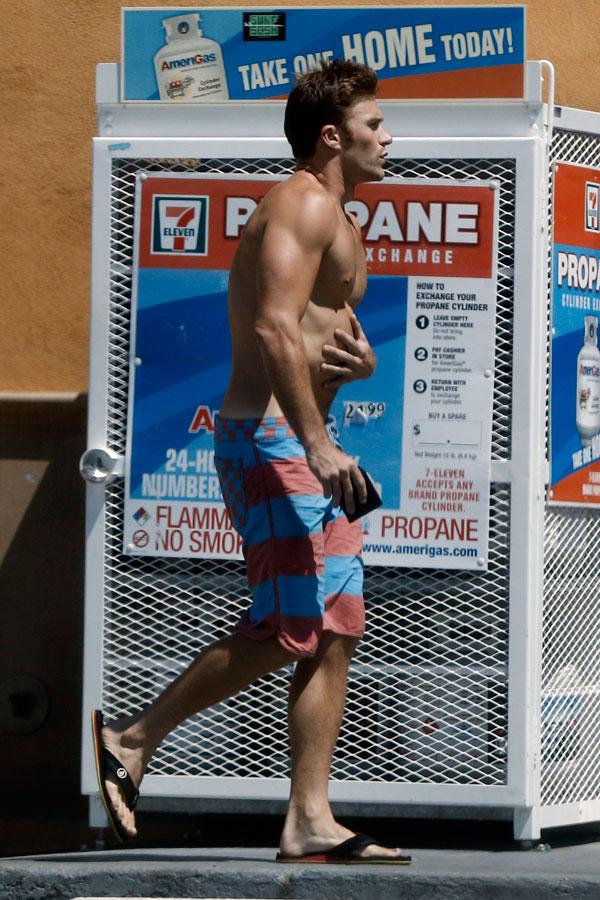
343, 273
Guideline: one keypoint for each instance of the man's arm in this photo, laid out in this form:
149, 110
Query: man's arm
353, 358
295, 239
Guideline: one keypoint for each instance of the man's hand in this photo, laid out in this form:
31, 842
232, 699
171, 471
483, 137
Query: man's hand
337, 472
353, 361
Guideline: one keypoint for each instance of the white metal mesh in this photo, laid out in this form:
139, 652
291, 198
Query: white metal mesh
570, 764
571, 665
427, 694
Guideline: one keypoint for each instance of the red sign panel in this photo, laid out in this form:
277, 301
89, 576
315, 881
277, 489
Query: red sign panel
407, 229
197, 229
421, 229
576, 206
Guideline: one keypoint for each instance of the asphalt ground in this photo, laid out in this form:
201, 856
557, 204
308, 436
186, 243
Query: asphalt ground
571, 869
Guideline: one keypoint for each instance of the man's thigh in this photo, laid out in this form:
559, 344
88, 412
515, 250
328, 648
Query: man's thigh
344, 603
278, 507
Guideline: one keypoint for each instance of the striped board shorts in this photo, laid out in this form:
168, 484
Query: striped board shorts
303, 557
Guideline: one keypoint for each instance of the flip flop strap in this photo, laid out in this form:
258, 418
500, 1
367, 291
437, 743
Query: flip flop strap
116, 772
353, 846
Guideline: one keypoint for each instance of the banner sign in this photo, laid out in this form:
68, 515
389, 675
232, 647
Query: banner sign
218, 54
575, 357
421, 425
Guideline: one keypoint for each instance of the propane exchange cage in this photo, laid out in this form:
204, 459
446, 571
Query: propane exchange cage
447, 692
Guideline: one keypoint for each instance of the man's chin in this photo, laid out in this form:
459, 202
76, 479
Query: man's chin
376, 174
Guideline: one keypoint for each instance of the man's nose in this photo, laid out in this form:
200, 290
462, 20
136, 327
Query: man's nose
386, 139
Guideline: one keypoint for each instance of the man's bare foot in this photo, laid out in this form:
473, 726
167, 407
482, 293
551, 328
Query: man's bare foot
123, 739
319, 836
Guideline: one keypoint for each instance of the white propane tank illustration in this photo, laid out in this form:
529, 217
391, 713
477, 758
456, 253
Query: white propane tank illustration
190, 66
588, 383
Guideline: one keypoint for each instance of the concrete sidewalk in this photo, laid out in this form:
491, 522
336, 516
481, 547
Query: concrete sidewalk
565, 872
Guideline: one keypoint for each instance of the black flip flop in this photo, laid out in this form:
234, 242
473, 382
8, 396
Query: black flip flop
108, 768
347, 853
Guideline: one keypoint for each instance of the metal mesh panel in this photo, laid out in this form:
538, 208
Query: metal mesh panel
427, 699
576, 147
570, 767
427, 693
570, 673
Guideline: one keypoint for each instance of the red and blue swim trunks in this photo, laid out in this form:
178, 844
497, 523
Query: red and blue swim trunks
303, 557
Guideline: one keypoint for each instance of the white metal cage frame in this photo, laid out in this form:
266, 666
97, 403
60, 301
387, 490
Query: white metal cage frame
445, 702
570, 661
427, 697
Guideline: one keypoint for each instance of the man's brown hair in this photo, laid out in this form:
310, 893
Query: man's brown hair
321, 97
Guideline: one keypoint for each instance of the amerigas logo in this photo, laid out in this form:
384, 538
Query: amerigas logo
592, 206
180, 225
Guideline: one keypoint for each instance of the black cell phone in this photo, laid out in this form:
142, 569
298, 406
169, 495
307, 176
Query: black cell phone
372, 502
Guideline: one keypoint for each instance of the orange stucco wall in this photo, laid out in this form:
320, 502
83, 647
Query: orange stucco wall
47, 78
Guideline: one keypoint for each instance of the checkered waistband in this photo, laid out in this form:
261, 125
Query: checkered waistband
274, 428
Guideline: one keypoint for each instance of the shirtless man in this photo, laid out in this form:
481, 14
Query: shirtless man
297, 276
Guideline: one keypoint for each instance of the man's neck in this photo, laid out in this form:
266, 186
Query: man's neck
330, 176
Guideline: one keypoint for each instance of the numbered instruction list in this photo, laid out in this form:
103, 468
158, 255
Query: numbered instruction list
448, 393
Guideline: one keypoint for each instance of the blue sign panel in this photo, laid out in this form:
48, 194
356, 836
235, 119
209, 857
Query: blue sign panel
220, 54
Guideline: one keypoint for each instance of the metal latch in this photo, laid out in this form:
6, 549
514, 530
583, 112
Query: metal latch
100, 465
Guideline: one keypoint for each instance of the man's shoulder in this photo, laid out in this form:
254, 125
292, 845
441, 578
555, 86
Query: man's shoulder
301, 191
300, 200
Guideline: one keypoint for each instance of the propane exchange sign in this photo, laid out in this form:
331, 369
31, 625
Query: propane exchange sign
421, 425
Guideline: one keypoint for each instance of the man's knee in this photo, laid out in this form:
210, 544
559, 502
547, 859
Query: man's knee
334, 645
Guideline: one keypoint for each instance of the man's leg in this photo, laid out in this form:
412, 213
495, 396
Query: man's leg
316, 707
226, 666
220, 671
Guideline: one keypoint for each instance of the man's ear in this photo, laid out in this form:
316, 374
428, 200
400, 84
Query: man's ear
330, 136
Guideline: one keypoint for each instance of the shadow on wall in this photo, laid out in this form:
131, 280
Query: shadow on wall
42, 543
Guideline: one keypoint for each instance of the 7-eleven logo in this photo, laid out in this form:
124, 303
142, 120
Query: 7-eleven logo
180, 225
592, 204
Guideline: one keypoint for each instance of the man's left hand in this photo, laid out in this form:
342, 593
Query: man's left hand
352, 361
